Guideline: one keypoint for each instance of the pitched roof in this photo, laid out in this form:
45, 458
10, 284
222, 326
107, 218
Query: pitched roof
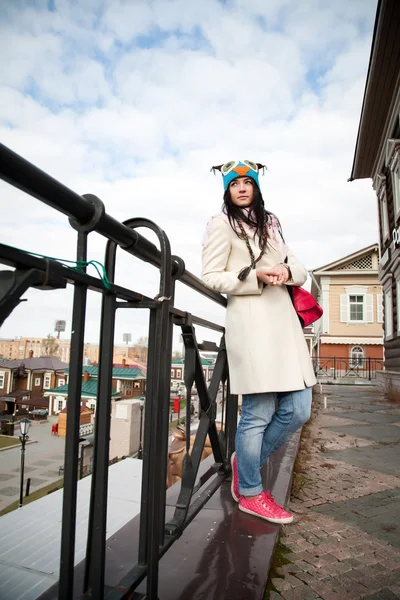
89, 390
204, 361
119, 373
350, 262
43, 363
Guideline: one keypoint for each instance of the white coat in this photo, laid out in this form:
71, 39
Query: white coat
266, 348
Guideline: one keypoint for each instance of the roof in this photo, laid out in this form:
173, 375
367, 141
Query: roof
29, 563
131, 362
43, 363
118, 373
24, 397
89, 390
383, 79
204, 361
347, 260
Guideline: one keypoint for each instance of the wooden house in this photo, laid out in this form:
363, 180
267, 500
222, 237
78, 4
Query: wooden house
377, 156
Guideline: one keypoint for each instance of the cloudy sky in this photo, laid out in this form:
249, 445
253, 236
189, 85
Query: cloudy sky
134, 101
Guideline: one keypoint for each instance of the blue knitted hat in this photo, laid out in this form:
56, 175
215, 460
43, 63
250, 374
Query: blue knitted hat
238, 168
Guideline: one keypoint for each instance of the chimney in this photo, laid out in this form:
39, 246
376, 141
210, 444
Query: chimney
86, 376
123, 363
30, 353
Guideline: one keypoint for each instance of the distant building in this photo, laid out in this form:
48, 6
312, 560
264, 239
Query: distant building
377, 156
126, 383
350, 294
23, 382
177, 367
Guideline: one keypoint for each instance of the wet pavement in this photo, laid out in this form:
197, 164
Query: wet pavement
345, 541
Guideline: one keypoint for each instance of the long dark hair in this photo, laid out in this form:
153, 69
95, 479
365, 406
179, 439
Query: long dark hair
256, 217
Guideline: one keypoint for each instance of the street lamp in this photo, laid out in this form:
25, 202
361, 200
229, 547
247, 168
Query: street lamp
140, 451
24, 428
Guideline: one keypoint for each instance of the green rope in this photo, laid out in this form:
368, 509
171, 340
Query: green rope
80, 265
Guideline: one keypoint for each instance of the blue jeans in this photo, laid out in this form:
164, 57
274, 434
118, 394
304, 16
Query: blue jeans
263, 429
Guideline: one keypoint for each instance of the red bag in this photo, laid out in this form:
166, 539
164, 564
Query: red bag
307, 308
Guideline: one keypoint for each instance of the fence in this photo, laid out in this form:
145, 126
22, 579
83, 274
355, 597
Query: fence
87, 214
339, 368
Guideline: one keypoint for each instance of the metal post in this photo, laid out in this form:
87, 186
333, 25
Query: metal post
369, 368
140, 452
334, 367
28, 487
21, 487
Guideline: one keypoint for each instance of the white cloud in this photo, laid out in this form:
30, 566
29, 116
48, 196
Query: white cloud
135, 101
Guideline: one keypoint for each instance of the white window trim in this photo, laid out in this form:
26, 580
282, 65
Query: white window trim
354, 290
358, 355
388, 311
37, 381
47, 377
379, 308
61, 382
398, 304
382, 206
394, 163
2, 380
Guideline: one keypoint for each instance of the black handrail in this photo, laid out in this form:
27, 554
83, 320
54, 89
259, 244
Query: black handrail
89, 213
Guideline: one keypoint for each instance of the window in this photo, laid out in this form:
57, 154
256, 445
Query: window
60, 405
126, 386
398, 304
179, 373
2, 378
61, 382
37, 381
396, 188
136, 385
356, 306
388, 314
92, 407
357, 356
384, 218
379, 308
47, 380
173, 373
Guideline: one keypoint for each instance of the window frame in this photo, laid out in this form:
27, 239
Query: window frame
388, 294
45, 378
37, 382
359, 355
394, 165
357, 304
398, 303
2, 380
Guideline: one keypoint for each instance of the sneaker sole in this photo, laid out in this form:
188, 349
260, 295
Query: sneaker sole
278, 521
236, 499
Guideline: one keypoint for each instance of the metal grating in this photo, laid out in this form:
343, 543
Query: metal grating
361, 263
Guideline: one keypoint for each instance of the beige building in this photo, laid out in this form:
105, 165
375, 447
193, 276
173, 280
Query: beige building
351, 328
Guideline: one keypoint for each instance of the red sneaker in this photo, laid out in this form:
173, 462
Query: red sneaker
235, 479
265, 507
269, 497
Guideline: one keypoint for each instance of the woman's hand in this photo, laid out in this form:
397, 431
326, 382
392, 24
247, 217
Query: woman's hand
278, 275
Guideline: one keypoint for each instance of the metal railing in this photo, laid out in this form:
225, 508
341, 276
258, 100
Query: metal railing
87, 214
339, 368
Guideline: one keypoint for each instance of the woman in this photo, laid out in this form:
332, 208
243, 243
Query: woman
245, 256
